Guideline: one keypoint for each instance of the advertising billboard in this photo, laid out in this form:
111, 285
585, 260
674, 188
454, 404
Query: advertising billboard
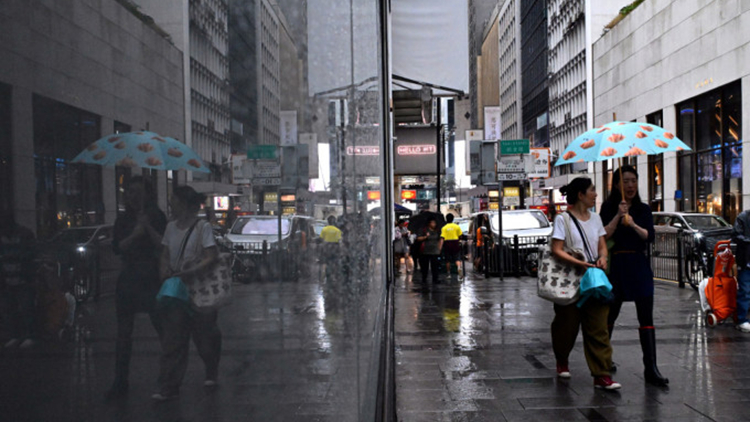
417, 151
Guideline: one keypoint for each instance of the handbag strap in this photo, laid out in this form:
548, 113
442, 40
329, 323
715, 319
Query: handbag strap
185, 240
583, 236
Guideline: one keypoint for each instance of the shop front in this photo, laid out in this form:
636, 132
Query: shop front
710, 176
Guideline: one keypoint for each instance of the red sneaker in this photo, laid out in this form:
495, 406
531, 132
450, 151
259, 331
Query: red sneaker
563, 371
605, 382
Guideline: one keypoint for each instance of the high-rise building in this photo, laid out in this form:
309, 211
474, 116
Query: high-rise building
199, 28
534, 92
573, 26
509, 31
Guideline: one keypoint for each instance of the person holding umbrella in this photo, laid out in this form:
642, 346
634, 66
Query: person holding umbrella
629, 223
137, 239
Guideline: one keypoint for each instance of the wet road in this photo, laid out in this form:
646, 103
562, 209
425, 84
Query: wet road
481, 351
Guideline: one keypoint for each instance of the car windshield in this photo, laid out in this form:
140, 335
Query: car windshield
74, 236
260, 226
520, 221
705, 222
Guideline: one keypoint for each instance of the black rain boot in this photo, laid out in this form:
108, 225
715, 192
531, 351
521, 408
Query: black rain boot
648, 345
613, 368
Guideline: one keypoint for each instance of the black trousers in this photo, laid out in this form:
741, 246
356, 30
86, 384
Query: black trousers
136, 293
644, 308
427, 263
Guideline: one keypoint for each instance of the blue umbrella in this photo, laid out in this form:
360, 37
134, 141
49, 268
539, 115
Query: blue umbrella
620, 139
142, 149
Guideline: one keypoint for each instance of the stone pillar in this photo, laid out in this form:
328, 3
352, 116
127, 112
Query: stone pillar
24, 183
670, 161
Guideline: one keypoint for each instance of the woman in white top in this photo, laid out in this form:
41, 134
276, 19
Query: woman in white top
592, 316
179, 323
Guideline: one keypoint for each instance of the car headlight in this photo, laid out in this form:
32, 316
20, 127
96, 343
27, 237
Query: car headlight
81, 249
698, 236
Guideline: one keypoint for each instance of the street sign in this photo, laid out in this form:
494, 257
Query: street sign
514, 146
501, 177
266, 170
511, 164
267, 181
262, 152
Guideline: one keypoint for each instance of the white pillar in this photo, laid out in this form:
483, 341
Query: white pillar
669, 117
745, 127
22, 150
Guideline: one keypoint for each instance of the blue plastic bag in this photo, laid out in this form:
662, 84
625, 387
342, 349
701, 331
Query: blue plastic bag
173, 288
594, 283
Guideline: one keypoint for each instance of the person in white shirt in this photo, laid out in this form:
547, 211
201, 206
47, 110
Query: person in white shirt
179, 322
592, 316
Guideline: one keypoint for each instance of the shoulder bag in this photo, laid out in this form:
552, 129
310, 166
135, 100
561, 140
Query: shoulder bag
173, 288
211, 288
557, 280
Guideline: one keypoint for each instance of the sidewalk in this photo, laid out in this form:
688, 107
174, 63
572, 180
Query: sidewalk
283, 359
481, 351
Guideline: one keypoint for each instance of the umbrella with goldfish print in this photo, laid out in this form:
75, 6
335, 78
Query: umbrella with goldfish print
142, 149
618, 140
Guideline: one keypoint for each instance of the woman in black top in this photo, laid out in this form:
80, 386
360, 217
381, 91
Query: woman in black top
629, 223
137, 239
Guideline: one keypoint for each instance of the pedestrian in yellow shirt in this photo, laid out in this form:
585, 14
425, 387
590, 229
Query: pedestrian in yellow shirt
450, 244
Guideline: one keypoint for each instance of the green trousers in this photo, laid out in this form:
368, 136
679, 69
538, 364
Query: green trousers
592, 317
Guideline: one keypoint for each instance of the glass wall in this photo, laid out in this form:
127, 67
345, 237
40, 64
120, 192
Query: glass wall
710, 176
6, 150
67, 195
656, 170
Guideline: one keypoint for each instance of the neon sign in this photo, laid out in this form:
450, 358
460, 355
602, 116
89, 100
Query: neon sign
416, 150
408, 194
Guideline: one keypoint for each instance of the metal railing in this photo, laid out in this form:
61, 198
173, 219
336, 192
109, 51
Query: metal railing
677, 256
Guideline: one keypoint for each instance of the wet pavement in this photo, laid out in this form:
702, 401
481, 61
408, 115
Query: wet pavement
481, 351
473, 351
285, 358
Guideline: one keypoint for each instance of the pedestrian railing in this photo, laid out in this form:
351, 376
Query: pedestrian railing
259, 261
677, 256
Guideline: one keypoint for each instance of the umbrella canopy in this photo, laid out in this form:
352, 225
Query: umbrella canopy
419, 221
620, 139
142, 149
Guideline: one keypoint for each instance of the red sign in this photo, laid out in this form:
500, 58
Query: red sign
408, 194
373, 195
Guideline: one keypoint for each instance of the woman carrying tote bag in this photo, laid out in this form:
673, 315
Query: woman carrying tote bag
189, 249
587, 234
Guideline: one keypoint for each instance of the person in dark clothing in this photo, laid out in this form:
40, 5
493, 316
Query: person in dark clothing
428, 259
629, 223
137, 239
741, 236
17, 290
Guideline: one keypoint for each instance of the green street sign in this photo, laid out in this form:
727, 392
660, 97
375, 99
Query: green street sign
514, 146
262, 152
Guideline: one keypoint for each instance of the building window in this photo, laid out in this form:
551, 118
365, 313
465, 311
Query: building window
656, 170
6, 150
710, 176
67, 195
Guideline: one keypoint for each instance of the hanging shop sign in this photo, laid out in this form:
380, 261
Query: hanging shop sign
373, 195
363, 151
541, 163
511, 196
409, 194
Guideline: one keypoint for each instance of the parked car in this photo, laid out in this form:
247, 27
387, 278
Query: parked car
530, 226
83, 253
254, 242
706, 230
